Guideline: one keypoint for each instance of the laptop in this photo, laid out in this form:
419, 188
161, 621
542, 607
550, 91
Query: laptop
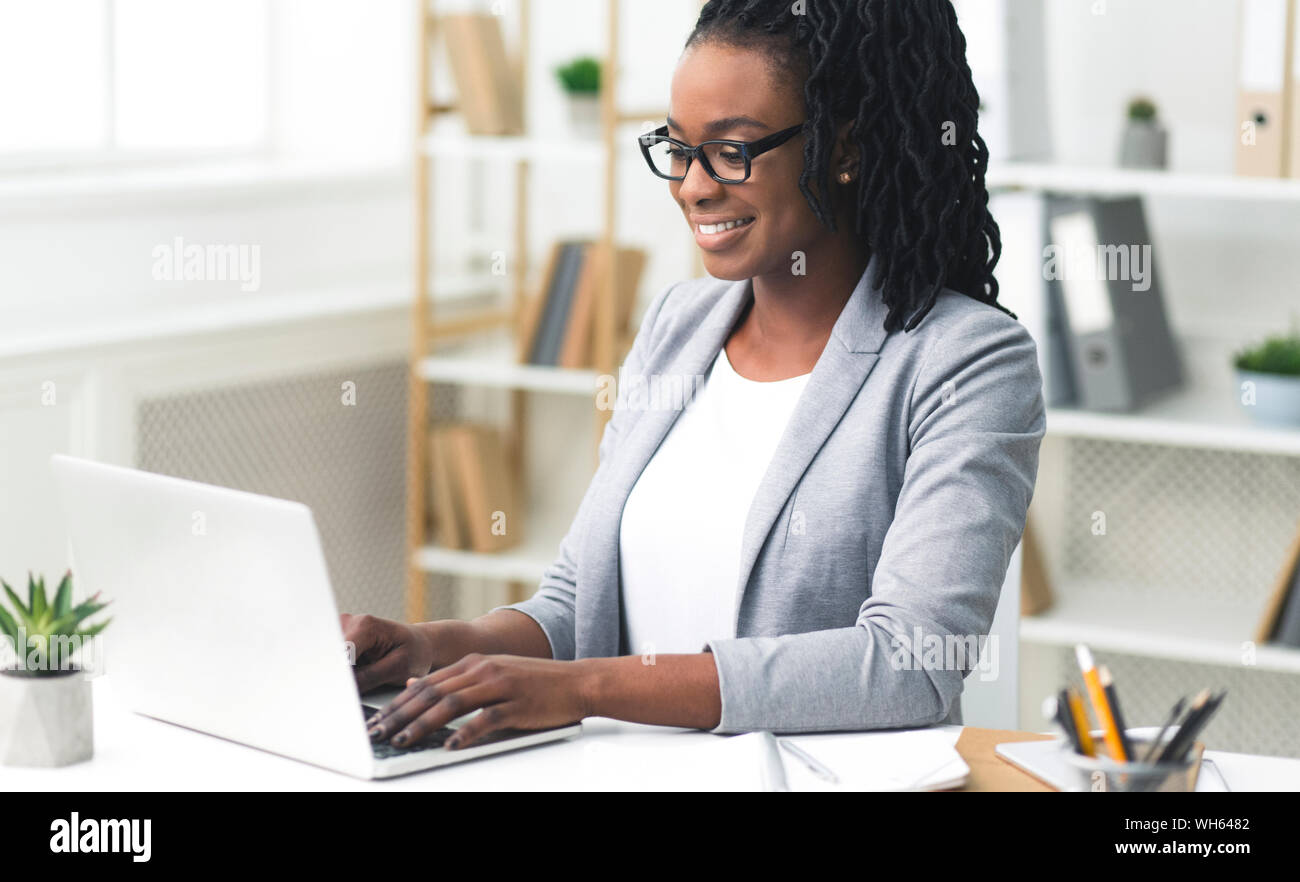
224, 621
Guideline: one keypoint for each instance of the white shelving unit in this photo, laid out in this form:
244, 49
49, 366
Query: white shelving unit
1104, 181
1162, 641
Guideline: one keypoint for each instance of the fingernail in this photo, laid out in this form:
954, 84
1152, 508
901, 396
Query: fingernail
376, 732
400, 739
453, 742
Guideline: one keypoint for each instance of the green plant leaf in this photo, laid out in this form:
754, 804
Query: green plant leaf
19, 609
63, 597
95, 629
68, 624
10, 627
36, 600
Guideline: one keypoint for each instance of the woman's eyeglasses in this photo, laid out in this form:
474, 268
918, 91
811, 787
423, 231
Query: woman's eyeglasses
727, 162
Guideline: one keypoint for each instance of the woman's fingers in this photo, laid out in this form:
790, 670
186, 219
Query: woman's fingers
452, 705
415, 686
493, 717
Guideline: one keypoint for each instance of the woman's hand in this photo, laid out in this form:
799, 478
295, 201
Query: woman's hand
387, 653
514, 693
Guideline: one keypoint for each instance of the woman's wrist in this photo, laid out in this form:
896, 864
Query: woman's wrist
448, 640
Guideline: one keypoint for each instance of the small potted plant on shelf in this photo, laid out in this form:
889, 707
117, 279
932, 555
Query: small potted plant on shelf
45, 692
580, 79
1268, 377
1145, 142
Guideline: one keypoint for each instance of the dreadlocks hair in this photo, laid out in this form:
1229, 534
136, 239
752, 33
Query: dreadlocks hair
897, 69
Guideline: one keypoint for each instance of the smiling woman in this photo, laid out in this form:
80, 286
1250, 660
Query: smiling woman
854, 473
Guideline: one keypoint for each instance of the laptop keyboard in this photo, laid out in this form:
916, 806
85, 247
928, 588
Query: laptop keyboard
384, 750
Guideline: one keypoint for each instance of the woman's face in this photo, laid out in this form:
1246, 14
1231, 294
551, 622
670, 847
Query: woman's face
723, 92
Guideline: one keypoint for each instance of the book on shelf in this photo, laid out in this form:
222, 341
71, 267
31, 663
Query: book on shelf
489, 95
475, 488
560, 322
1281, 622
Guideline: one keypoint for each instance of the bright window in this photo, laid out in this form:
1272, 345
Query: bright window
101, 80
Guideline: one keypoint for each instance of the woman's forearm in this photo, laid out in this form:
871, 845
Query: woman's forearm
501, 632
668, 690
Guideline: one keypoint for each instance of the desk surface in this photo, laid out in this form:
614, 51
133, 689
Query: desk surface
136, 753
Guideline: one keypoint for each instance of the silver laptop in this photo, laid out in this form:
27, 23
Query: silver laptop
224, 620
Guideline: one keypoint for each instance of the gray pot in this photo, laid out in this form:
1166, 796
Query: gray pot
1277, 398
584, 114
45, 720
1144, 145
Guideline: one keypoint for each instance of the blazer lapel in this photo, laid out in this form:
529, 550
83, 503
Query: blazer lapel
850, 354
597, 615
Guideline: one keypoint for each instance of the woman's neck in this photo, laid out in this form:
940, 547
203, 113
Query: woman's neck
785, 329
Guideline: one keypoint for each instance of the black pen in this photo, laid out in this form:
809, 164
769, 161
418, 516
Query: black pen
1180, 740
1178, 753
1154, 747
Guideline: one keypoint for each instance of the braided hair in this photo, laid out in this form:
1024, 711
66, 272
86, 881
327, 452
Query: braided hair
897, 69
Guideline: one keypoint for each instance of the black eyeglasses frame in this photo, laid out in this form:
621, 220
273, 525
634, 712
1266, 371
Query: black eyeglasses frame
750, 150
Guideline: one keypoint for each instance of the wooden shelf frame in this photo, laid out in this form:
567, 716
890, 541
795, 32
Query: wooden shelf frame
427, 368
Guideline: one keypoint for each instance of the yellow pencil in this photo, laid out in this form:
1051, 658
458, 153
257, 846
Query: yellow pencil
1100, 705
1080, 718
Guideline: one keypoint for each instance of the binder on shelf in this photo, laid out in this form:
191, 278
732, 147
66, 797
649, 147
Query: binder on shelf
1022, 288
1281, 622
488, 94
1122, 351
1262, 86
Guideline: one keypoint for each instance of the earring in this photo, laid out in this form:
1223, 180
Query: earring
845, 177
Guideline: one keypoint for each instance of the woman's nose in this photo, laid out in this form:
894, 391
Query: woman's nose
698, 185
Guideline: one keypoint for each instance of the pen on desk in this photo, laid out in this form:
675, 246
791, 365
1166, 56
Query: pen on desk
1154, 748
1108, 685
810, 761
1057, 709
1202, 709
1100, 706
773, 769
1080, 719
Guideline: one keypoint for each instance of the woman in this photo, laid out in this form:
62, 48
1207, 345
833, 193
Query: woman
849, 483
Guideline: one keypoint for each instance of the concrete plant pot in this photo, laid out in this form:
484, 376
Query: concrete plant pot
1277, 398
46, 719
584, 114
1144, 145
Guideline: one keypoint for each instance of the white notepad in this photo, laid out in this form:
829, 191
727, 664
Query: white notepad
915, 759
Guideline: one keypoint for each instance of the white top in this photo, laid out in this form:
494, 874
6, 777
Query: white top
680, 536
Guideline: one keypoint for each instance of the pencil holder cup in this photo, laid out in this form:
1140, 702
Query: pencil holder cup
1102, 774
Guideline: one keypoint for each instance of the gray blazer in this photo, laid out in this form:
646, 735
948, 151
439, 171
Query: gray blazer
889, 512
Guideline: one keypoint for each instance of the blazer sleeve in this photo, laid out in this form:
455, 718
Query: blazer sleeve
976, 418
553, 604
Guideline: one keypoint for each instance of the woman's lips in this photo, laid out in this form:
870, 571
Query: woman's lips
722, 240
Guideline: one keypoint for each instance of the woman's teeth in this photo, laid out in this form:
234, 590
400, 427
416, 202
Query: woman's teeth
710, 229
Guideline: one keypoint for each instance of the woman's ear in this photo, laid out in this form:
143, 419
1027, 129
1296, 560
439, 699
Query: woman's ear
844, 156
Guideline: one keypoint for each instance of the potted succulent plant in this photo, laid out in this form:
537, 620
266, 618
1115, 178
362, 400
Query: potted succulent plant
580, 79
1145, 143
1272, 370
45, 697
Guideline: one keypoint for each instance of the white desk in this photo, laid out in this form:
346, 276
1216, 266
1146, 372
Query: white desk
136, 753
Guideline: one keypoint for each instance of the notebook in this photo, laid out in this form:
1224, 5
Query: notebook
919, 759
